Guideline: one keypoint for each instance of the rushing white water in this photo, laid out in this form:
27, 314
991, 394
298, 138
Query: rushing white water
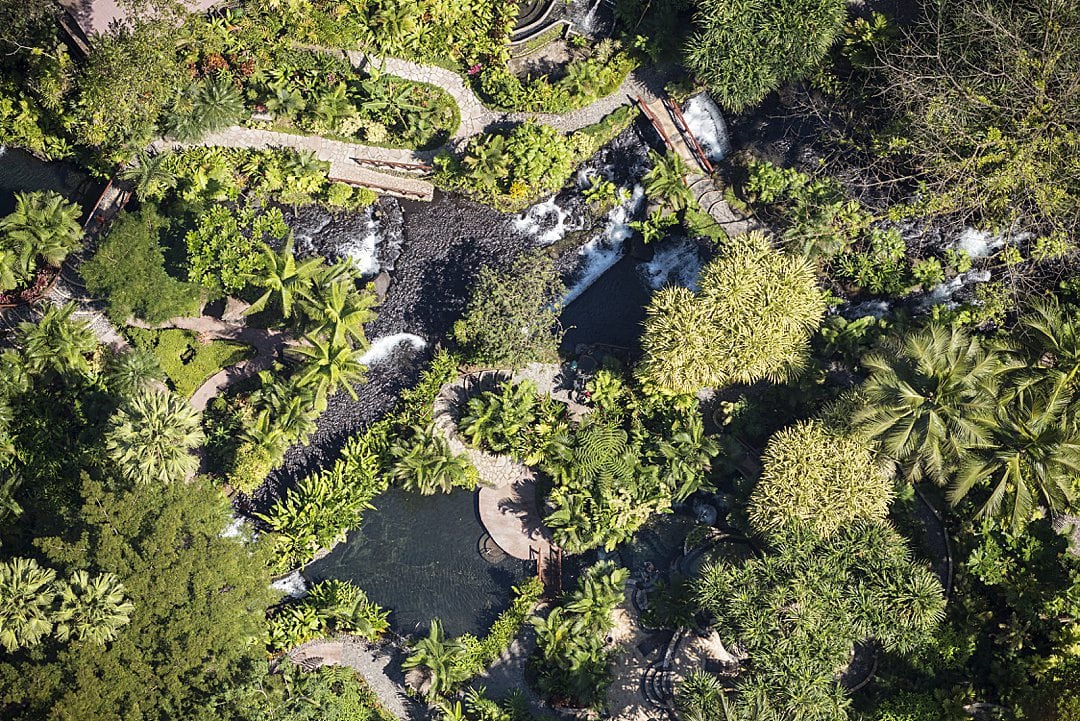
546, 221
384, 348
982, 243
234, 529
363, 250
675, 262
877, 308
707, 124
605, 248
292, 585
590, 17
943, 293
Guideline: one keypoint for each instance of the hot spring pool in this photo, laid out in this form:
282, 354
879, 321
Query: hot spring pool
418, 556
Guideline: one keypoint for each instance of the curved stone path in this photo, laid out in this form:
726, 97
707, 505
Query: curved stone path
646, 82
376, 664
268, 345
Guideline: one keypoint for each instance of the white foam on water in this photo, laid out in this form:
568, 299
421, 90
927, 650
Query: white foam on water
234, 529
982, 243
385, 347
605, 248
675, 262
546, 221
707, 124
943, 293
877, 308
292, 585
304, 240
363, 251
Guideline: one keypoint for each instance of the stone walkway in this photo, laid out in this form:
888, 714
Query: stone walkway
712, 201
341, 156
268, 345
378, 666
647, 82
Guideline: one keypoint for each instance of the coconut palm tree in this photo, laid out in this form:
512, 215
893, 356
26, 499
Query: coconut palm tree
666, 182
923, 395
92, 609
149, 174
339, 313
486, 159
57, 343
284, 279
329, 365
426, 464
151, 437
26, 600
1048, 338
43, 224
133, 371
440, 659
1027, 455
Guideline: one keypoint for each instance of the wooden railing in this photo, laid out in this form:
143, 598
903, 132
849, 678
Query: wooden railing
688, 135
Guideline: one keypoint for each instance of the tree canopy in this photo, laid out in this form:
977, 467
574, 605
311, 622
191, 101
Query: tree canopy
751, 319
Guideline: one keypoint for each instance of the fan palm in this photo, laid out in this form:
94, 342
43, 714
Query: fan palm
149, 174
340, 313
92, 609
151, 437
131, 372
441, 660
218, 103
57, 342
329, 365
426, 464
43, 224
666, 181
284, 278
923, 395
26, 600
1027, 455
486, 159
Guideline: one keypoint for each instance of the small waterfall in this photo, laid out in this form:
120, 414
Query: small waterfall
707, 124
676, 262
548, 222
605, 248
590, 18
293, 585
386, 347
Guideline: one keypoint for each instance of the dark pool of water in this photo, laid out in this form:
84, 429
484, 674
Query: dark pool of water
418, 555
21, 171
611, 311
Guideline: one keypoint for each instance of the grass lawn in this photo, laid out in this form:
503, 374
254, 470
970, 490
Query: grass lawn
187, 362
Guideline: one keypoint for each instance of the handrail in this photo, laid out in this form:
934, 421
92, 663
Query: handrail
655, 122
394, 164
699, 152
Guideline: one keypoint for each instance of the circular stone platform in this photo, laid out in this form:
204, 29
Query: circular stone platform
512, 519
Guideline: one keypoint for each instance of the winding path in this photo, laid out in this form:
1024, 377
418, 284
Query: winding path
268, 345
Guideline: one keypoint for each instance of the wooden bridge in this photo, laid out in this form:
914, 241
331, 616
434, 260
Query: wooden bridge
667, 119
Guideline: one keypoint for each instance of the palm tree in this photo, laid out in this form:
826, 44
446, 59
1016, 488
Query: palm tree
328, 365
42, 224
151, 437
923, 395
149, 174
131, 372
218, 103
92, 609
688, 453
340, 313
284, 278
56, 342
666, 181
1049, 343
1029, 457
26, 601
486, 159
426, 464
440, 659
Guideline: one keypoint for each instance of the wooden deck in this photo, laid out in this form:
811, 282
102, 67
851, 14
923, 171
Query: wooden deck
666, 117
512, 518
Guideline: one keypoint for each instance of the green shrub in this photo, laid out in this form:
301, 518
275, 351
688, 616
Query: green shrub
226, 247
745, 49
251, 465
128, 271
330, 607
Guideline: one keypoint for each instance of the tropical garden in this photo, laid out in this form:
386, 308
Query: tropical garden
857, 410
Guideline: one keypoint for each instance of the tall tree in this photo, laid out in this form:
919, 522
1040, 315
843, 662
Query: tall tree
923, 395
339, 312
512, 314
1027, 454
750, 320
329, 365
284, 278
56, 343
26, 600
92, 608
151, 438
745, 49
43, 225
